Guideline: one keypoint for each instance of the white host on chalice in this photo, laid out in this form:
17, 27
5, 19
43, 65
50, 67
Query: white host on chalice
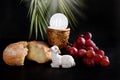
66, 61
59, 21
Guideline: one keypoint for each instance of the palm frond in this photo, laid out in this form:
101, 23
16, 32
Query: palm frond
40, 12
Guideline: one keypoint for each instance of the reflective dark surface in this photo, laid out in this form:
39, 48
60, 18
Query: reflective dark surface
102, 20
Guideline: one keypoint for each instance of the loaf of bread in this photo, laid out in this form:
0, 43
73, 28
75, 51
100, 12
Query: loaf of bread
14, 54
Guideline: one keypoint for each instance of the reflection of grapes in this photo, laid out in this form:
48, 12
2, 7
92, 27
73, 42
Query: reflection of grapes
85, 48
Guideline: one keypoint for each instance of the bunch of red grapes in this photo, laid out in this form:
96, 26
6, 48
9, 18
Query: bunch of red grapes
85, 48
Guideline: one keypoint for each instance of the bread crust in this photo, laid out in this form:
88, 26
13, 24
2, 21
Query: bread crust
14, 54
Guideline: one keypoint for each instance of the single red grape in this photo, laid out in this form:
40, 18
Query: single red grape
73, 51
105, 61
81, 41
101, 52
97, 58
67, 48
90, 43
90, 53
81, 52
88, 35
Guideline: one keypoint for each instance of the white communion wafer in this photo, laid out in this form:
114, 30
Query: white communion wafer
59, 21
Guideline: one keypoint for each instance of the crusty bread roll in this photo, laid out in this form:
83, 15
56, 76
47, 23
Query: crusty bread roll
38, 51
14, 54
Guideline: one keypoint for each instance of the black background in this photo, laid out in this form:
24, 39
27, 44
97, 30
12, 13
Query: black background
102, 19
